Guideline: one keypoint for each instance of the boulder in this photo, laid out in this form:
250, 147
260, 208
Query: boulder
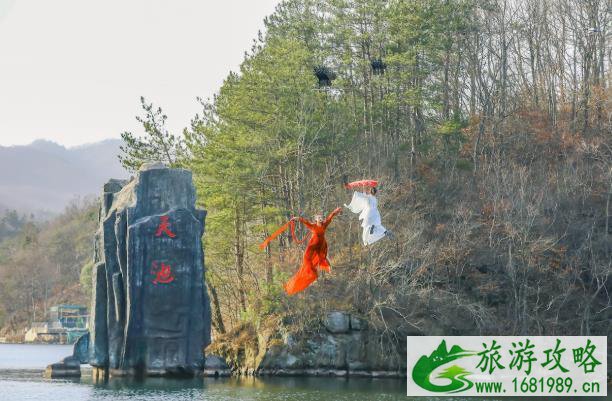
337, 322
67, 367
357, 323
80, 351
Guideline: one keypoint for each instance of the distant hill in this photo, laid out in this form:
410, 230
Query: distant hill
43, 177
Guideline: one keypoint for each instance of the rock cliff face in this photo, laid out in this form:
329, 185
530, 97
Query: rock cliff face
150, 312
343, 345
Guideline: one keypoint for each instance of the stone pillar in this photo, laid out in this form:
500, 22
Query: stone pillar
150, 311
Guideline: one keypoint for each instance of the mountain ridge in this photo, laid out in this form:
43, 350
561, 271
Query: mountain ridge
44, 176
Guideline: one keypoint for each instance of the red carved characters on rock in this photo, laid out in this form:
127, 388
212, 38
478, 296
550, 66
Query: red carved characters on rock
163, 274
163, 228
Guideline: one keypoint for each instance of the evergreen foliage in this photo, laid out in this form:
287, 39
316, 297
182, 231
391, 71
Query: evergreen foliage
472, 129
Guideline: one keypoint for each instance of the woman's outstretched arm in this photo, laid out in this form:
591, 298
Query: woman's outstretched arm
331, 216
306, 222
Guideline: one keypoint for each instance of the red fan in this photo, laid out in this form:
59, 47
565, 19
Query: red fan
361, 183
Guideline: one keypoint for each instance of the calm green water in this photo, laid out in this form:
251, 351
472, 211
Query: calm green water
21, 380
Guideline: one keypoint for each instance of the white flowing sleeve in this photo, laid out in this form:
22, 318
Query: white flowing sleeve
358, 203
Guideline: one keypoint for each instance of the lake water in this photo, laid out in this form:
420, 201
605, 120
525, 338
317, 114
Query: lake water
21, 379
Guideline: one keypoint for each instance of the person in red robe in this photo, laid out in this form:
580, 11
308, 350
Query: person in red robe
315, 255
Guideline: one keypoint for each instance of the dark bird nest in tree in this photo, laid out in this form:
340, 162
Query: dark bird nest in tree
325, 75
378, 67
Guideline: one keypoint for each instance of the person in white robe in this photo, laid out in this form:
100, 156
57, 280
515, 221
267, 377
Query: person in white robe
366, 205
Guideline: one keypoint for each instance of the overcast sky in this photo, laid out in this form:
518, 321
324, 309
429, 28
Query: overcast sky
73, 71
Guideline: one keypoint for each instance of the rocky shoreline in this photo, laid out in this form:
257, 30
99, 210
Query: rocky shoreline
219, 368
343, 346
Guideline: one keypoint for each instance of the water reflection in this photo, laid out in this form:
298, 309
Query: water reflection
249, 388
359, 385
149, 383
18, 385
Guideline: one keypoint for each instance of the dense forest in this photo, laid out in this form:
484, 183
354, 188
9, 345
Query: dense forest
487, 123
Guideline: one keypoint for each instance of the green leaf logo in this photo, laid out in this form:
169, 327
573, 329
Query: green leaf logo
425, 366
